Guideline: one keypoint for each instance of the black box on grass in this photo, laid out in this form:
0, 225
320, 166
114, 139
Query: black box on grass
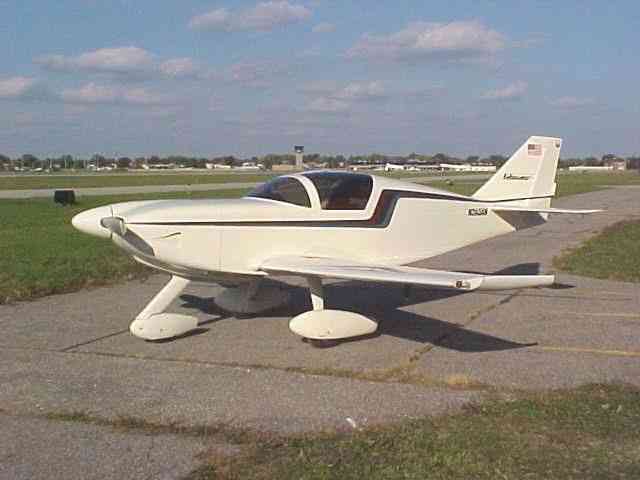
64, 197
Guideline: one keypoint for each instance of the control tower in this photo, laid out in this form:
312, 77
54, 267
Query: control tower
299, 151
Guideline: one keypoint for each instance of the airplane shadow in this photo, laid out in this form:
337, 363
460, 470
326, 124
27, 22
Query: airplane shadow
383, 303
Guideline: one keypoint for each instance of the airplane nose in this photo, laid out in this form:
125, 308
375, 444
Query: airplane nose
89, 221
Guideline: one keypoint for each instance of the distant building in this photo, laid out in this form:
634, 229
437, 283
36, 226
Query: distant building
585, 168
159, 166
466, 167
248, 166
283, 167
364, 166
392, 167
615, 162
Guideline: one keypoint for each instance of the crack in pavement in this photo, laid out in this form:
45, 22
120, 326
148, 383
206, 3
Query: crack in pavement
422, 351
89, 342
614, 353
377, 376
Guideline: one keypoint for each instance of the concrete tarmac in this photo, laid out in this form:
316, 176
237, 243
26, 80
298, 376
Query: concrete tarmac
70, 372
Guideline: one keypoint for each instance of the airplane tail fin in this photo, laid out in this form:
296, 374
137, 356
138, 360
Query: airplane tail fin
529, 174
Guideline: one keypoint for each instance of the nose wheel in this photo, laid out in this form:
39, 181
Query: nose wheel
153, 324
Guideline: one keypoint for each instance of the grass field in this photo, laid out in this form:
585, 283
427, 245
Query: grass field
588, 433
34, 182
568, 183
614, 254
574, 183
43, 254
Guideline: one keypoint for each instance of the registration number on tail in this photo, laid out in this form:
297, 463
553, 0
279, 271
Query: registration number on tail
476, 212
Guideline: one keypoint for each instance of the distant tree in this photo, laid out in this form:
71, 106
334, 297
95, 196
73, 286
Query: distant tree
267, 162
440, 158
65, 161
98, 160
29, 161
333, 162
497, 160
472, 159
5, 162
633, 163
310, 158
123, 162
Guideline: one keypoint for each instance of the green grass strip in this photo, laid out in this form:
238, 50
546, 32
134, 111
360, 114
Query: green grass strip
614, 254
588, 433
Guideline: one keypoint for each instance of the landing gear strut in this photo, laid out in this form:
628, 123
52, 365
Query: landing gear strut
152, 324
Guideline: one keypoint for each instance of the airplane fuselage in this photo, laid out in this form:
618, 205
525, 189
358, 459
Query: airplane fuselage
228, 239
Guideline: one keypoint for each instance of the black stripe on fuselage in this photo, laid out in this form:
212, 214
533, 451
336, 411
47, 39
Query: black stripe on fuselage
381, 217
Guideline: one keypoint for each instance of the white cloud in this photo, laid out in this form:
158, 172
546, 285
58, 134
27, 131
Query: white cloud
335, 99
130, 61
16, 87
23, 88
324, 104
262, 17
108, 60
571, 102
93, 93
219, 19
324, 27
320, 87
179, 67
253, 74
514, 91
360, 91
461, 40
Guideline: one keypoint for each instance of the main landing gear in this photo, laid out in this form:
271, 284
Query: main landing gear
323, 328
320, 327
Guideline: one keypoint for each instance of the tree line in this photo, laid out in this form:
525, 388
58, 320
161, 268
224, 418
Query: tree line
31, 162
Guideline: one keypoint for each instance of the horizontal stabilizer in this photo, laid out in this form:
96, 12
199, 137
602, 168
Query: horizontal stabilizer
514, 208
350, 270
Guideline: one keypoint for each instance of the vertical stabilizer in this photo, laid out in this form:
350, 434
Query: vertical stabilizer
529, 174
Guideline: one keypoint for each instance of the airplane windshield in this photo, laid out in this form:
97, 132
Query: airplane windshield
342, 191
283, 189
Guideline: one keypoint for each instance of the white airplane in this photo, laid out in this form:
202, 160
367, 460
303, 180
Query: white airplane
325, 224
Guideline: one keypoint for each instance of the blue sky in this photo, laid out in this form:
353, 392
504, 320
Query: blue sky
134, 77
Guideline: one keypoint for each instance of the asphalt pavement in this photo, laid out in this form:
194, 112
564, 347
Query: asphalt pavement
78, 393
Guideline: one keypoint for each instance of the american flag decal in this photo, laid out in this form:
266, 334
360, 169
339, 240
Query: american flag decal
534, 149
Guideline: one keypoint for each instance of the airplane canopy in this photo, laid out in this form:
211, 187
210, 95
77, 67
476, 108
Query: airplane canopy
334, 190
283, 189
342, 190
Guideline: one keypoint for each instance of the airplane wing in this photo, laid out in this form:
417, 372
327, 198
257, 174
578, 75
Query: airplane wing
309, 266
